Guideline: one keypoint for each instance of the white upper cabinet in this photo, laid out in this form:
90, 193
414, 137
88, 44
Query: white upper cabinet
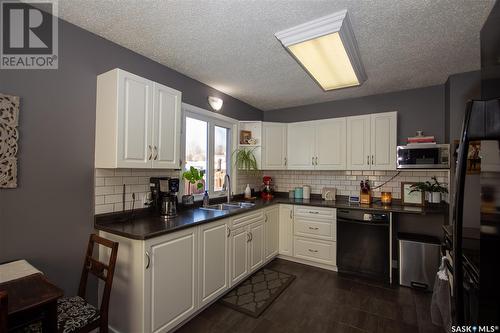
358, 143
330, 144
274, 146
317, 145
371, 141
137, 122
166, 127
383, 141
301, 141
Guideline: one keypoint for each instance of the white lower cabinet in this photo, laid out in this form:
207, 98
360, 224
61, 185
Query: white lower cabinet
247, 243
271, 226
171, 281
315, 235
285, 230
238, 256
213, 260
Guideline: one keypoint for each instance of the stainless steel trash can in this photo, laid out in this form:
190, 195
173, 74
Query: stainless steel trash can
418, 260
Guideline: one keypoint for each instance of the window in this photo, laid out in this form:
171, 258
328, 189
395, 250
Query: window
207, 147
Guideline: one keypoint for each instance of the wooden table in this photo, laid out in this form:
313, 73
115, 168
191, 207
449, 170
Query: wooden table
31, 298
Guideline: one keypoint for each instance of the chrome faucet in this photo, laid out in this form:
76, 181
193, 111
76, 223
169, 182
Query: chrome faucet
227, 187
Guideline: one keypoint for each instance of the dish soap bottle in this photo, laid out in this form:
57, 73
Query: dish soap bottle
248, 192
206, 199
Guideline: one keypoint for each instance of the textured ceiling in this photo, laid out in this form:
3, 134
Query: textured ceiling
230, 44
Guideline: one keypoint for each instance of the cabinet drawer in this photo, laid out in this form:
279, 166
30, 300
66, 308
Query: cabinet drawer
315, 212
315, 228
319, 251
241, 220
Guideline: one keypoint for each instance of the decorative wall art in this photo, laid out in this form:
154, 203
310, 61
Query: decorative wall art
9, 120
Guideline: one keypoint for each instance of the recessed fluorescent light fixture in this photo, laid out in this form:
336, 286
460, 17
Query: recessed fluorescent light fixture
326, 48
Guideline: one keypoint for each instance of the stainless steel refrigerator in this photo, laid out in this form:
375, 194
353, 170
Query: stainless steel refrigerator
476, 287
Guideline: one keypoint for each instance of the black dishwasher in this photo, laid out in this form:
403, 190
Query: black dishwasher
363, 243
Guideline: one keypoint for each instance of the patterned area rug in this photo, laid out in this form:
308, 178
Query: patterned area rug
257, 292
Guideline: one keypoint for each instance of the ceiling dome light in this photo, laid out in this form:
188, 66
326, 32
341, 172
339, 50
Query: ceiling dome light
326, 48
215, 102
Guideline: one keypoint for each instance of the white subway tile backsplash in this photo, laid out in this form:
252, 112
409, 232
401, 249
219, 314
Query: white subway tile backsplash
109, 187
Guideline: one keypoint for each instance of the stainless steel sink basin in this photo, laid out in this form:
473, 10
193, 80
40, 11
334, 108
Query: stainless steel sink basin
229, 206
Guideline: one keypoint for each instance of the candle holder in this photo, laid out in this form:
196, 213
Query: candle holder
386, 198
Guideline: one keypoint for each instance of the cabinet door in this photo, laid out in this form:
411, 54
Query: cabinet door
358, 143
166, 127
257, 245
286, 230
173, 280
213, 261
274, 146
300, 141
331, 144
135, 118
383, 141
238, 256
271, 232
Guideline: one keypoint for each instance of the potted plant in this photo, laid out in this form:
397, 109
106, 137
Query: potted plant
244, 159
193, 176
434, 189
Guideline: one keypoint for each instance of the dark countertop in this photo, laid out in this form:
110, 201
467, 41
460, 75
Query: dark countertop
144, 224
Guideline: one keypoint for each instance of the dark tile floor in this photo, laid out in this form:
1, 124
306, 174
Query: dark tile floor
324, 301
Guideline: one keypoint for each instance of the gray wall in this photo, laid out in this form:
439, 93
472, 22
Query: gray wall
421, 108
49, 217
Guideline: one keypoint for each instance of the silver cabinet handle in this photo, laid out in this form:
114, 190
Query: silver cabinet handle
248, 237
150, 152
313, 212
312, 158
265, 218
180, 163
149, 259
373, 160
314, 251
368, 159
228, 232
285, 160
156, 150
316, 160
251, 236
291, 214
315, 228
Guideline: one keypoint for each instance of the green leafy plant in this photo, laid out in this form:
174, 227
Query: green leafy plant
194, 176
427, 186
244, 159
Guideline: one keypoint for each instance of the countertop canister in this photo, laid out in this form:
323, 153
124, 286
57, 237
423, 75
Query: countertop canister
306, 192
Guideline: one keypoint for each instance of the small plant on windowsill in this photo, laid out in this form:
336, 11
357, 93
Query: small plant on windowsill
244, 159
192, 176
434, 189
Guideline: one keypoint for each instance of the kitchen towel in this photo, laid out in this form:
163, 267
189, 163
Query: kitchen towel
441, 299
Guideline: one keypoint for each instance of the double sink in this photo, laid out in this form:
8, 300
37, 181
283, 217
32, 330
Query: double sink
228, 206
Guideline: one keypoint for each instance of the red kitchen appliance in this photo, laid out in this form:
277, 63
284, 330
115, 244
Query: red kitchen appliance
267, 190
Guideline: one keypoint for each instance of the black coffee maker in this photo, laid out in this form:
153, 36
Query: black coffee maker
164, 195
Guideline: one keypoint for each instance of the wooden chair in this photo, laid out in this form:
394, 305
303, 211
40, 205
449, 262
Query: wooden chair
75, 314
3, 311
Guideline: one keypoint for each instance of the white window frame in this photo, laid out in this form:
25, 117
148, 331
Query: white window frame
212, 119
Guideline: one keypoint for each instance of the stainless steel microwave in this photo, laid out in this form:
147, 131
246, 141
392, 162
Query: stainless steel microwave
423, 156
